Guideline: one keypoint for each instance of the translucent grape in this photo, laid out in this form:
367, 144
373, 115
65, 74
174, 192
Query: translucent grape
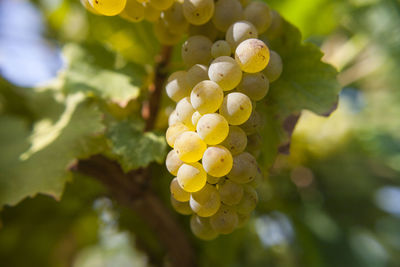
201, 228
161, 4
189, 147
212, 179
259, 14
254, 143
236, 141
236, 108
173, 162
184, 111
212, 128
205, 202
89, 7
217, 161
207, 30
244, 168
225, 72
238, 32
164, 35
177, 86
276, 28
133, 11
196, 50
249, 200
231, 193
206, 97
220, 48
174, 131
108, 7
274, 68
258, 180
196, 74
254, 85
150, 13
181, 207
173, 118
192, 177
174, 19
225, 220
252, 55
177, 191
198, 12
195, 118
226, 12
253, 124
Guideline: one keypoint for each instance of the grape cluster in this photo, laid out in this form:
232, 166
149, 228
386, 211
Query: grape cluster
214, 128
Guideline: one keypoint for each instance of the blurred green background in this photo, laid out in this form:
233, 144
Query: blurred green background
334, 201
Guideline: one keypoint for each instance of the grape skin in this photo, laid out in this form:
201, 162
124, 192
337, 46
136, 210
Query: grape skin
198, 12
181, 207
177, 191
164, 35
177, 86
249, 200
238, 32
212, 179
253, 124
259, 14
231, 193
184, 111
226, 12
217, 161
174, 131
244, 168
192, 177
108, 7
236, 108
205, 202
274, 68
196, 74
174, 19
150, 13
225, 220
206, 97
133, 11
161, 4
196, 50
252, 55
189, 147
195, 118
220, 48
254, 85
201, 228
226, 72
212, 128
173, 162
236, 141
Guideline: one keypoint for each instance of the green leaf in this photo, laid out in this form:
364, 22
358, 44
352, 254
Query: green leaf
132, 147
38, 162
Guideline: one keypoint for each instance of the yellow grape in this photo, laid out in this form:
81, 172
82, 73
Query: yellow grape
254, 85
89, 7
253, 124
208, 29
205, 202
189, 147
164, 35
196, 50
274, 68
240, 31
226, 72
173, 162
225, 220
177, 191
184, 111
249, 200
192, 177
174, 131
177, 86
212, 128
259, 14
133, 11
174, 19
244, 168
108, 7
150, 13
201, 228
220, 48
206, 97
173, 118
226, 12
236, 141
181, 207
195, 118
198, 12
196, 74
252, 55
236, 108
212, 179
231, 193
217, 161
161, 4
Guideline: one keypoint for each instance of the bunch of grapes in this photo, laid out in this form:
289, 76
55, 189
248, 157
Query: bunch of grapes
214, 128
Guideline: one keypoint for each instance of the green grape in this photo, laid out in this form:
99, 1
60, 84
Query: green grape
150, 13
133, 11
196, 74
226, 72
231, 193
207, 30
192, 177
240, 31
254, 143
252, 55
254, 85
274, 68
258, 180
236, 108
184, 111
177, 191
259, 14
173, 162
173, 118
198, 12
226, 12
89, 7
174, 19
201, 228
236, 141
160, 4
108, 7
195, 118
205, 202
244, 168
189, 147
212, 128
225, 220
249, 200
243, 219
253, 124
164, 35
206, 97
220, 48
181, 207
174, 131
196, 50
276, 28
212, 179
245, 2
217, 161
177, 86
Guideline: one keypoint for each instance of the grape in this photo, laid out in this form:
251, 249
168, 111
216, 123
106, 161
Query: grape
212, 128
133, 11
164, 35
196, 74
258, 179
198, 12
201, 228
207, 30
244, 168
220, 48
236, 108
108, 7
181, 207
174, 131
259, 14
184, 111
249, 200
226, 12
192, 177
195, 118
243, 219
161, 4
206, 97
177, 86
150, 13
254, 143
274, 68
212, 179
254, 85
173, 162
252, 55
177, 191
174, 19
205, 202
89, 7
253, 124
236, 141
231, 193
245, 2
196, 50
189, 147
276, 28
173, 118
240, 31
225, 72
225, 220
217, 161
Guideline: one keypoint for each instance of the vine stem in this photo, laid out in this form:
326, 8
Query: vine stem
131, 189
